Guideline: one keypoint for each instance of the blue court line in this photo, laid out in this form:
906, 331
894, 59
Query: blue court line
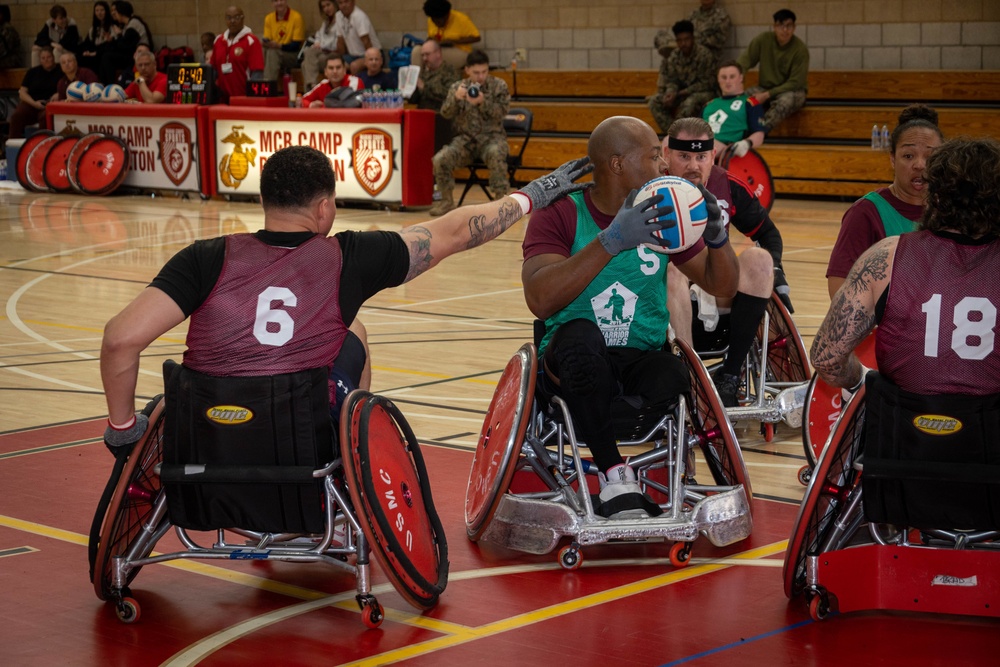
742, 642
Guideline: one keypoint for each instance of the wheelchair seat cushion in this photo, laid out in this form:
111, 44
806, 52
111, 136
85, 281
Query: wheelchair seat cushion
931, 461
240, 451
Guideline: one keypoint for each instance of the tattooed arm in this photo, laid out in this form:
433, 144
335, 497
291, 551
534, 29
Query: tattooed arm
461, 229
852, 315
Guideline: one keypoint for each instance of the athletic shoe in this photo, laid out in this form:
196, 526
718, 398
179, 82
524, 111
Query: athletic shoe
621, 497
727, 385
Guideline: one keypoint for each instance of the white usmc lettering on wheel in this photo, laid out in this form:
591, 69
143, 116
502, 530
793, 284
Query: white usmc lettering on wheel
400, 522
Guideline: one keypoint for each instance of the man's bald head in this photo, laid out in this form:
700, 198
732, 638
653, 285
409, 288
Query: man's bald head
616, 136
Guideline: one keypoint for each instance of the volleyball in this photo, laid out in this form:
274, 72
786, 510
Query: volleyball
690, 212
93, 93
113, 93
76, 91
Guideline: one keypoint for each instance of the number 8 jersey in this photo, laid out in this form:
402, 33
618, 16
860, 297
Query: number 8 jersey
937, 334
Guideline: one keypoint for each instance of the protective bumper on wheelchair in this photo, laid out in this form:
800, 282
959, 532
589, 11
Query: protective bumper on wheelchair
537, 526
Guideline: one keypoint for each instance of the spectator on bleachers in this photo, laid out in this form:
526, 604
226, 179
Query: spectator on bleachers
324, 43
10, 41
893, 210
436, 77
37, 88
784, 66
119, 53
337, 76
237, 56
59, 32
452, 29
375, 76
476, 106
101, 31
711, 29
72, 71
686, 81
735, 117
150, 86
283, 36
207, 41
355, 35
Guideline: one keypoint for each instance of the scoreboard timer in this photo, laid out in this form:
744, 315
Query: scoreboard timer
190, 83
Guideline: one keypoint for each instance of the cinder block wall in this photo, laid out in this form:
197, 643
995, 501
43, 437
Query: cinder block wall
618, 34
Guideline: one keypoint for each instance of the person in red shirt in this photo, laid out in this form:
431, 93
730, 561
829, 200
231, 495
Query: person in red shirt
236, 56
150, 86
336, 77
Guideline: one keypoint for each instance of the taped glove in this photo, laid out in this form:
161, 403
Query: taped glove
741, 148
546, 189
782, 289
716, 235
636, 223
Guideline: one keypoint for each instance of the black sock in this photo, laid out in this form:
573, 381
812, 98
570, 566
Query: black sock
744, 318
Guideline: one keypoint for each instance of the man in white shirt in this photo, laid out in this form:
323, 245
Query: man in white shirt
355, 34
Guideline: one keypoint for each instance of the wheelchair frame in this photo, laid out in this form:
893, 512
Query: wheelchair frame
136, 518
517, 436
841, 562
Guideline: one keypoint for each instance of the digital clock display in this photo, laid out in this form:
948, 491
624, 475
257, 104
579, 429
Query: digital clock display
263, 89
190, 83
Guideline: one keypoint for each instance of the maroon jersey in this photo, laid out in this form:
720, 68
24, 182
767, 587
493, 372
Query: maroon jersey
937, 334
273, 310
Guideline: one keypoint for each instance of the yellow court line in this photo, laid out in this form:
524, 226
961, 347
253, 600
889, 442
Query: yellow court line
563, 608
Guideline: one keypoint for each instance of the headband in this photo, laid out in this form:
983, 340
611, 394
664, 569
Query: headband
690, 145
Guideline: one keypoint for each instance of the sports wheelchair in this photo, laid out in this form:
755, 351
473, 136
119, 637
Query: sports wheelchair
529, 485
752, 170
773, 383
903, 511
258, 458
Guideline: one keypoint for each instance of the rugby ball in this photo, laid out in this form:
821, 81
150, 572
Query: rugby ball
76, 91
690, 212
93, 93
113, 93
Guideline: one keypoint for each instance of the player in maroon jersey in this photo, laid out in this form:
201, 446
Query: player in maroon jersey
937, 324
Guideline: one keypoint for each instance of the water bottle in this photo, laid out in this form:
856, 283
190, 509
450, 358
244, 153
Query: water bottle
876, 140
885, 138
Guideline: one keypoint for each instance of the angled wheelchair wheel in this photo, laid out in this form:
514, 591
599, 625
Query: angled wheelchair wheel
712, 427
787, 360
132, 504
822, 407
387, 481
752, 170
500, 440
833, 480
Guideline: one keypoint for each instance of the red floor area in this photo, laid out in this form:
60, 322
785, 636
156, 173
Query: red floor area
500, 608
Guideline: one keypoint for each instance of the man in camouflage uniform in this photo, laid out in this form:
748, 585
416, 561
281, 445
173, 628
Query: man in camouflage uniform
711, 27
477, 106
436, 77
686, 81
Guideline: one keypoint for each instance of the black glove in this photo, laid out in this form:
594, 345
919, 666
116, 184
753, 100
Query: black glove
782, 289
546, 189
115, 439
716, 235
636, 224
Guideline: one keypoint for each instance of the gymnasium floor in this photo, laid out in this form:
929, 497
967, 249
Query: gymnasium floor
438, 344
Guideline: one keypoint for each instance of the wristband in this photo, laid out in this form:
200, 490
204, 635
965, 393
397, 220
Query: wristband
122, 427
716, 246
523, 200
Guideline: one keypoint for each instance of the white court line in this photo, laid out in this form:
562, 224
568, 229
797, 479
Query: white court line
453, 298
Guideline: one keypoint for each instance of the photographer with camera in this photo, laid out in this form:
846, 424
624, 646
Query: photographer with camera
476, 106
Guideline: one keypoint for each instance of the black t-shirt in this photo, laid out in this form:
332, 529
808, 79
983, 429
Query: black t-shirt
372, 261
42, 83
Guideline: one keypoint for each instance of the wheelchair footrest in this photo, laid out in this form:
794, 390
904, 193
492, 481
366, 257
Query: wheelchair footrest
536, 526
912, 578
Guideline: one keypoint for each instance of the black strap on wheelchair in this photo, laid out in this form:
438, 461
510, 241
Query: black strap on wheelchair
217, 473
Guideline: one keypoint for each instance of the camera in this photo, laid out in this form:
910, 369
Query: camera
473, 90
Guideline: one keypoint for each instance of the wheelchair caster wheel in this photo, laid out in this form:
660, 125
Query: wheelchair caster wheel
805, 475
819, 607
680, 554
371, 611
570, 558
767, 430
128, 610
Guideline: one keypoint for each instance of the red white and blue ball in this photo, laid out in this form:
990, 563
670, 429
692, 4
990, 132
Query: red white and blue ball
690, 212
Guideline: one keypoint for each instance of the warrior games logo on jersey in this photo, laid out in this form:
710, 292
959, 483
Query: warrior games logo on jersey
371, 158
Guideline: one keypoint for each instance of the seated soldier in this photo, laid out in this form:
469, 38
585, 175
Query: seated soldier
289, 293
937, 324
736, 117
690, 153
584, 260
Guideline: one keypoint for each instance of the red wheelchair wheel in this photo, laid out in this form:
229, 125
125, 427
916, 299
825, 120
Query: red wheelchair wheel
34, 169
22, 157
500, 441
73, 159
752, 170
387, 481
833, 479
787, 360
712, 427
102, 166
54, 169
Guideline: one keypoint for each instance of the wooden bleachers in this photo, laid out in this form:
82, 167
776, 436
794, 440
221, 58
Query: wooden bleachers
822, 150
